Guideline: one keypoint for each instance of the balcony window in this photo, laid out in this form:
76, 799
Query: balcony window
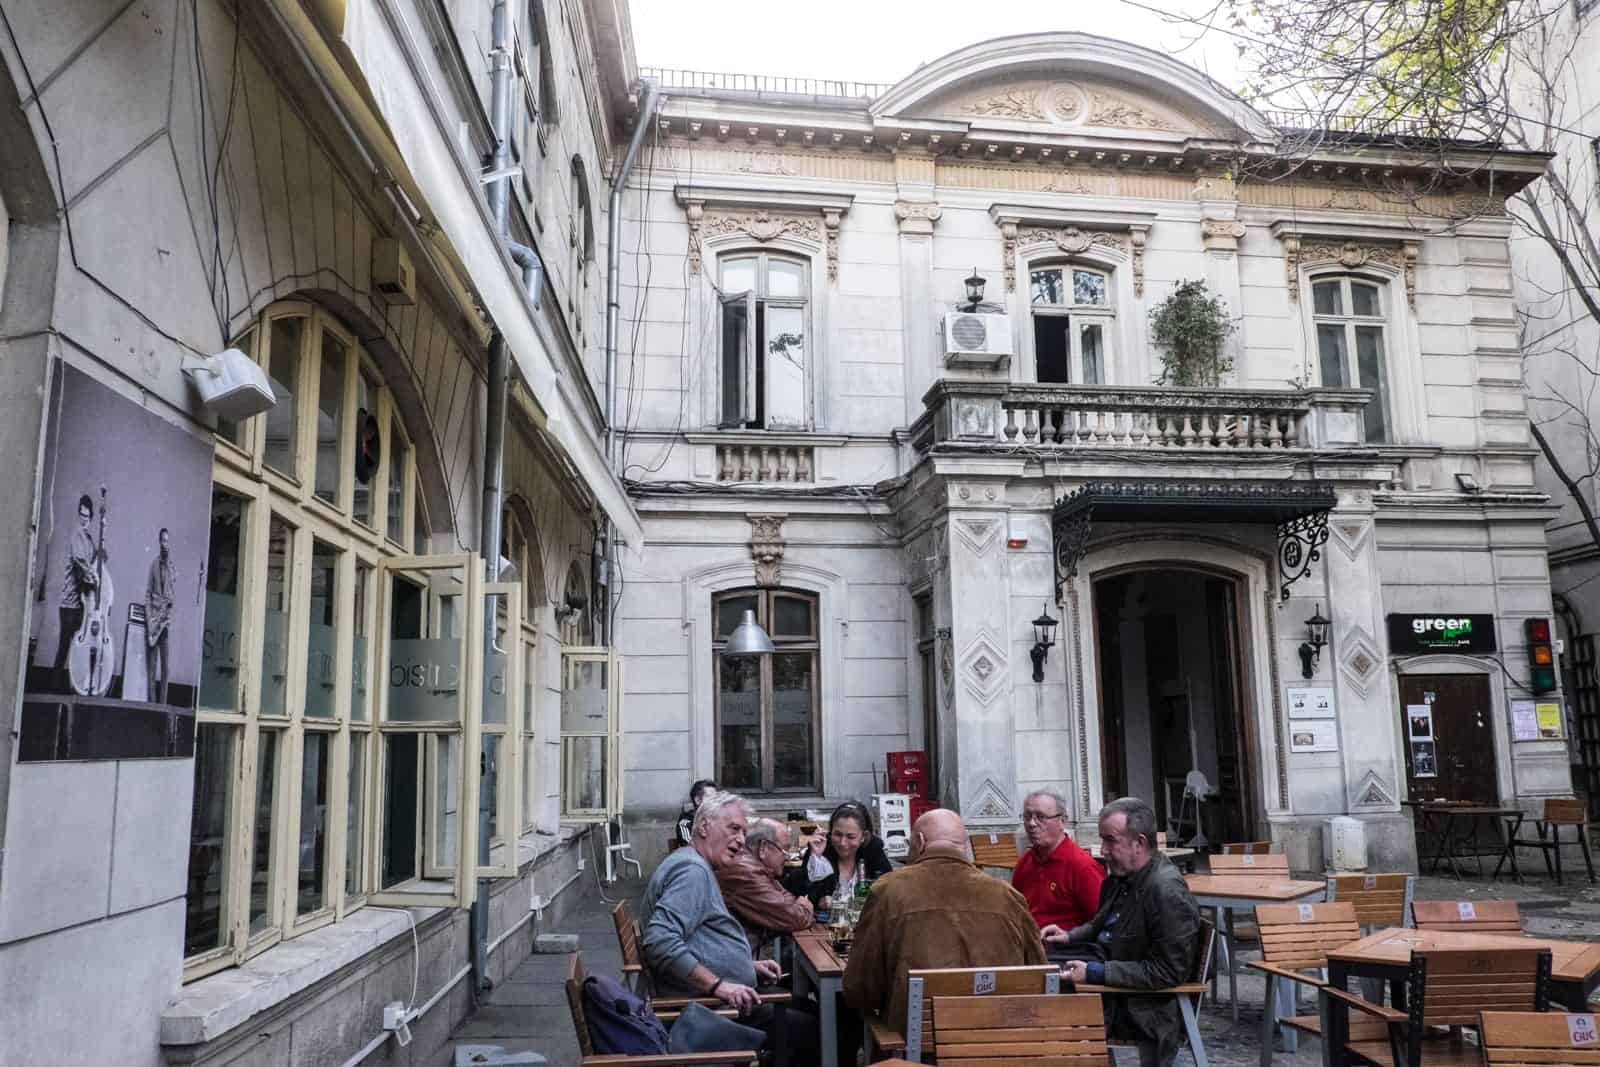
1349, 314
766, 351
1072, 320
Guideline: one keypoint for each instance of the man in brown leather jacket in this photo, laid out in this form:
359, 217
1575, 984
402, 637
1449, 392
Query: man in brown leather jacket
750, 886
939, 911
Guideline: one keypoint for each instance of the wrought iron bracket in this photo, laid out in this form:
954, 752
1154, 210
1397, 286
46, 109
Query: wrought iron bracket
1300, 542
1072, 544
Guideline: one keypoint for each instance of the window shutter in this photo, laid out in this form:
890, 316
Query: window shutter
738, 379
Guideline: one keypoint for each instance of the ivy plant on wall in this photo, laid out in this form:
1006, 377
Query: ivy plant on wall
1191, 328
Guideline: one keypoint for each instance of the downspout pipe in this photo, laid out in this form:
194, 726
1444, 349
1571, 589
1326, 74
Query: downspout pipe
619, 181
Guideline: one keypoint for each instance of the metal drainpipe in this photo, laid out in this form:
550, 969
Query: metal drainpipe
494, 445
647, 116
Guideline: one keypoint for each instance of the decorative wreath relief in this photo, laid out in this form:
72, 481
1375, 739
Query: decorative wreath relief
1191, 328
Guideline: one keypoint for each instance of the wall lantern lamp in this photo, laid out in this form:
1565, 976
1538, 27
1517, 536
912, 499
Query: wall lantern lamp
975, 286
1311, 647
747, 639
1044, 639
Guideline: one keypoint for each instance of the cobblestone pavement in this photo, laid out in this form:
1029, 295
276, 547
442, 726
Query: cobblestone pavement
528, 1012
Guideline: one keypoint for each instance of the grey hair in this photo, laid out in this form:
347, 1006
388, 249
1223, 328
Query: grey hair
1061, 801
763, 830
711, 805
1140, 815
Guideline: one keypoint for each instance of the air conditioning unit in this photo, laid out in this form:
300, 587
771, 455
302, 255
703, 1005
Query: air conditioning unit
392, 274
976, 338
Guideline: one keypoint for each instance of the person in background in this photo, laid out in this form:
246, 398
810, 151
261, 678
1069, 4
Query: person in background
850, 853
1059, 880
751, 885
697, 792
1142, 936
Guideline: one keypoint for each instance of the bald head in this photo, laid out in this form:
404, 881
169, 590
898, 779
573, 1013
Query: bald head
940, 829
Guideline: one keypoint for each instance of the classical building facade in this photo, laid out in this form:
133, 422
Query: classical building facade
244, 822
821, 426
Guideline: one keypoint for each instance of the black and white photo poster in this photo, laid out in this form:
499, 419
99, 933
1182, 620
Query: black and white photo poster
117, 581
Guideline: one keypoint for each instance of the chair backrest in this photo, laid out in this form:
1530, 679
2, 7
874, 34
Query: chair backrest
575, 977
1299, 936
923, 986
1539, 1039
1567, 811
1458, 983
1161, 839
1250, 865
994, 850
983, 1031
1205, 946
1246, 848
1379, 899
1468, 916
627, 934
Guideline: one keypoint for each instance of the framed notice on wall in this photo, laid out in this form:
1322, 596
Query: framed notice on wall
1313, 735
1311, 702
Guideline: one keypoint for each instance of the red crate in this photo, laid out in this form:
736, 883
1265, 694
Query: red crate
919, 807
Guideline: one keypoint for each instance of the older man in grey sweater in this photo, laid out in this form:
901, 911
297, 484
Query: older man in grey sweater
693, 946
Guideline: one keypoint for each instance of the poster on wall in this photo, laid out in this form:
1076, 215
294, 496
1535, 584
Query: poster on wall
1311, 702
118, 580
1549, 717
1524, 721
1313, 735
1419, 722
1424, 760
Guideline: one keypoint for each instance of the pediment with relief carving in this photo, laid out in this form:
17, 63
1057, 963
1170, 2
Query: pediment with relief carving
1087, 106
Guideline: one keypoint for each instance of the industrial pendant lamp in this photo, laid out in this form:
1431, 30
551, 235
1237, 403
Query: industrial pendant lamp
748, 638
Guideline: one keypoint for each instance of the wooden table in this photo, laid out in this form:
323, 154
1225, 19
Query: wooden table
1453, 825
1183, 857
1574, 965
818, 969
1231, 893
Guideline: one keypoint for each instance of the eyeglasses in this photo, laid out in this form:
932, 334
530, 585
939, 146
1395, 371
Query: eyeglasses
1033, 816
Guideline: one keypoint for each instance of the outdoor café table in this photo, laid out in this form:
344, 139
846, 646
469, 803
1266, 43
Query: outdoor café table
1452, 827
817, 968
1230, 894
1386, 954
1183, 857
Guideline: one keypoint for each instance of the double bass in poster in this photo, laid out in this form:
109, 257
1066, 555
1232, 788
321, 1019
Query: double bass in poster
118, 579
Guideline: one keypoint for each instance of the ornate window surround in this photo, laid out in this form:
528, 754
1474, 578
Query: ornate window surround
1315, 245
762, 215
1072, 233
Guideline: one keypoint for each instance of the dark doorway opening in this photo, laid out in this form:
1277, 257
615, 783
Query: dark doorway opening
1171, 669
1051, 349
1450, 751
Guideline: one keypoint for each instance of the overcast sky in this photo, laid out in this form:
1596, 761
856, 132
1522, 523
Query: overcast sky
885, 40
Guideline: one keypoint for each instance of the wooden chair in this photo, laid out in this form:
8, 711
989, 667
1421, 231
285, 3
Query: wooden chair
1469, 916
1538, 1039
1187, 995
994, 850
1246, 848
1296, 938
575, 979
1381, 900
915, 1038
628, 942
985, 1031
1250, 865
1445, 987
1559, 812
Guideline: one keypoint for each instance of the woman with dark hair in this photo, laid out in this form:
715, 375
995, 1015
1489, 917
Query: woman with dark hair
697, 792
850, 853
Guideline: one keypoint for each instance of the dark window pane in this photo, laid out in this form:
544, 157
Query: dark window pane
792, 702
1369, 361
491, 781
322, 636
330, 417
360, 473
395, 519
1331, 354
400, 808
311, 864
359, 690
354, 815
1364, 300
1326, 299
1052, 355
1088, 287
204, 926
275, 655
283, 365
261, 845
735, 334
730, 613
219, 660
1091, 338
792, 617
739, 717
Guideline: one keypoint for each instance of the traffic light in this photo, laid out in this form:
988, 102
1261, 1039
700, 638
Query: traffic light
1541, 655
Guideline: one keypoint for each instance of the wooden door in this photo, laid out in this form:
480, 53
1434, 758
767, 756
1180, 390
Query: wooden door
1462, 745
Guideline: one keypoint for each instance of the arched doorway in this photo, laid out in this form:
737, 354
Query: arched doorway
1174, 700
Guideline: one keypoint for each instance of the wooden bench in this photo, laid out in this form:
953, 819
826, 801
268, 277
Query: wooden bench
1246, 848
1065, 1031
1295, 938
1187, 995
628, 943
994, 850
1469, 916
1538, 1039
1559, 812
1445, 988
575, 980
1272, 865
883, 1036
1381, 900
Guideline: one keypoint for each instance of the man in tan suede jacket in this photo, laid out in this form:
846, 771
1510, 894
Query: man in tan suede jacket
751, 887
939, 911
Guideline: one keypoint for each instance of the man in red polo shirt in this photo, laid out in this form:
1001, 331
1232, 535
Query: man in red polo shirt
1059, 880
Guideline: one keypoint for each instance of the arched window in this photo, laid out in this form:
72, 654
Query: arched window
1072, 323
767, 714
766, 350
520, 546
581, 240
309, 501
1350, 314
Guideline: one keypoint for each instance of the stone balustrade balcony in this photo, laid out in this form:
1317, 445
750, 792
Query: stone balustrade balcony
1155, 418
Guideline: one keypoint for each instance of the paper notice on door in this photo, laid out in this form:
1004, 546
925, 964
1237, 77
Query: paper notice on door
1524, 721
1581, 1030
1419, 722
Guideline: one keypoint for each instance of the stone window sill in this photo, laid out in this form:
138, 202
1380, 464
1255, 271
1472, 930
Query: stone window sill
206, 1009
793, 438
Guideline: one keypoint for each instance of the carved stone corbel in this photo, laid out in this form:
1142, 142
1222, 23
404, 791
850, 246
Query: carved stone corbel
1221, 235
1137, 236
1008, 231
917, 216
695, 210
766, 548
830, 223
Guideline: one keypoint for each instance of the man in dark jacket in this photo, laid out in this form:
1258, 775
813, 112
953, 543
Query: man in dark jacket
1144, 933
753, 893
